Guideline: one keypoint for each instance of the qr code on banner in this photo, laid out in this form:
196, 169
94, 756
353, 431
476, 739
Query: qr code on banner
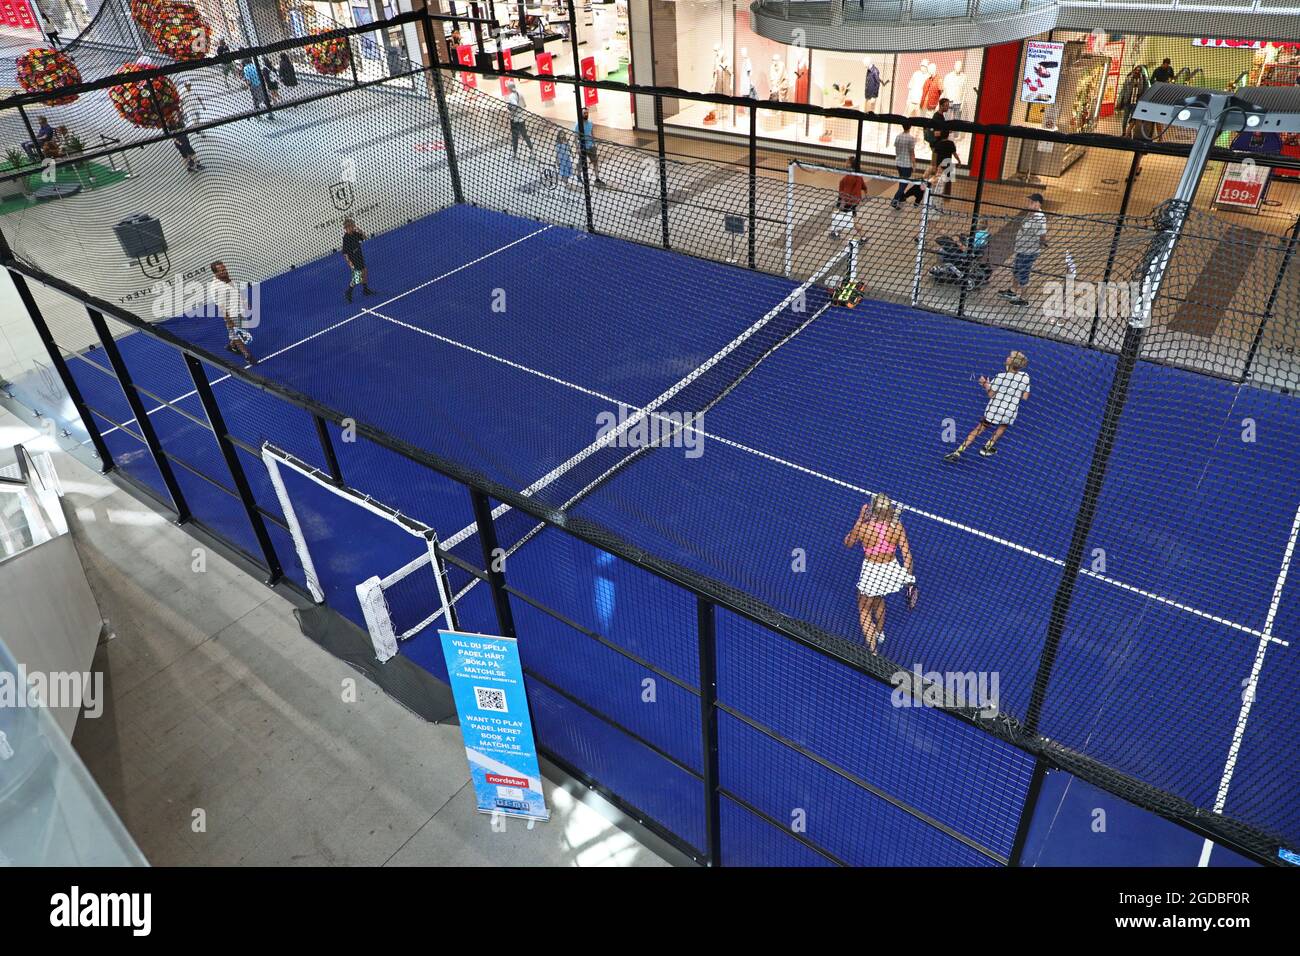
490, 698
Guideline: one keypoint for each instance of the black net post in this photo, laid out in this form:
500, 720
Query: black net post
582, 128
975, 216
493, 560
352, 65
706, 635
141, 416
1151, 272
663, 168
1287, 256
1035, 789
60, 366
440, 98
203, 389
753, 183
27, 124
327, 449
1114, 240
857, 149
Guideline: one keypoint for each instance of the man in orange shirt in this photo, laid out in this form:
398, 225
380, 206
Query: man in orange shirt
852, 188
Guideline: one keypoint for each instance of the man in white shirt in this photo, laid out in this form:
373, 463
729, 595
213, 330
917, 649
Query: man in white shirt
904, 159
518, 121
1006, 391
226, 299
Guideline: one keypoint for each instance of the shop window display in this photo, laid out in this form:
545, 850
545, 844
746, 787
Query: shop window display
717, 37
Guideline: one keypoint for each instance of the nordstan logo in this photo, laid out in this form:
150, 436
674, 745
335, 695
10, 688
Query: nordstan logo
75, 909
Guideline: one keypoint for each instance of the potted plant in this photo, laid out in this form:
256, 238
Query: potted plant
72, 147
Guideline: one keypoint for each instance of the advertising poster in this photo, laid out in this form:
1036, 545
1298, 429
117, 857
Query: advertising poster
1242, 186
509, 65
1042, 71
487, 683
590, 95
546, 67
465, 57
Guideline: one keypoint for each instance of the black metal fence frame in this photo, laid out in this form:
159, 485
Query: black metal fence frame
708, 594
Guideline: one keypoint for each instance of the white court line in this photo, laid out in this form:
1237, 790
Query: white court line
337, 325
1248, 697
501, 509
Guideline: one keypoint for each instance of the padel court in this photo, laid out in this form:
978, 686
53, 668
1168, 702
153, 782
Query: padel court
503, 344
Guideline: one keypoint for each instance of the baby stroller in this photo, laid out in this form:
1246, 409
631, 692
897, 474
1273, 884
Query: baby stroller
958, 266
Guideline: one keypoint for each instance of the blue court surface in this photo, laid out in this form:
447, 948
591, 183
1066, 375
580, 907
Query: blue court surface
497, 342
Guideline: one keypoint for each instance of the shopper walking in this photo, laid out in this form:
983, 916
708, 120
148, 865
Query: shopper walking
288, 75
358, 274
227, 68
518, 121
253, 79
1031, 240
187, 152
944, 156
904, 161
563, 159
1164, 73
587, 143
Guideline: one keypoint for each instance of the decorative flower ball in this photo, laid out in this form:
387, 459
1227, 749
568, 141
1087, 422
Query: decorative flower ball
146, 102
178, 30
41, 70
329, 57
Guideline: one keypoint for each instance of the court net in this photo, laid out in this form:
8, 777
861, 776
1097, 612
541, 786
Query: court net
673, 418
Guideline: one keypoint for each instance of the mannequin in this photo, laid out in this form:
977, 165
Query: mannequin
747, 87
778, 81
931, 90
801, 77
915, 85
873, 85
954, 86
721, 71
721, 83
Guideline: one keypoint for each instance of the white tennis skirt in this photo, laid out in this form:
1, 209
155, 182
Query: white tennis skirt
879, 578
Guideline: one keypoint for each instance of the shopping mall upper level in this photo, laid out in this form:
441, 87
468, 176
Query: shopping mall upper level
911, 25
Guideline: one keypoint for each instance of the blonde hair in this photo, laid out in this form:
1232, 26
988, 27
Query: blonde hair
1017, 361
881, 507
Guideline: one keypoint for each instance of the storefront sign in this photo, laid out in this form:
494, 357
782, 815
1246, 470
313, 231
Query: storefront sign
1042, 71
546, 67
465, 57
487, 683
1243, 186
509, 65
1244, 44
590, 95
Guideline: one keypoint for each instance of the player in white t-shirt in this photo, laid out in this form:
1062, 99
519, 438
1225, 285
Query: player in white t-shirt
226, 300
1006, 391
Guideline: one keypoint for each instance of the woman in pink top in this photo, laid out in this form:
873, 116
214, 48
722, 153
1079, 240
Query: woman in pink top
881, 534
